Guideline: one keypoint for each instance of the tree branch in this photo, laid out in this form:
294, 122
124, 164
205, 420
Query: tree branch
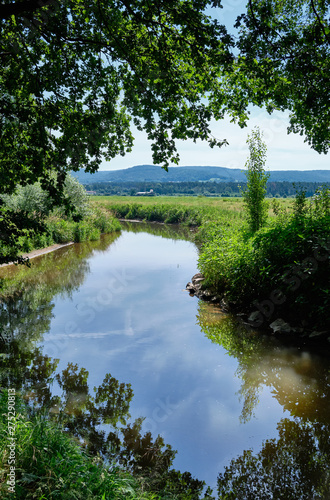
319, 20
18, 8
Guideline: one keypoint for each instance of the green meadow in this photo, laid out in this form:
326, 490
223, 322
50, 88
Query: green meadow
280, 272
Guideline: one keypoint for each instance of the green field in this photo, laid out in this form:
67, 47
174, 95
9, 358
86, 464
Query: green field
227, 205
289, 255
183, 201
187, 210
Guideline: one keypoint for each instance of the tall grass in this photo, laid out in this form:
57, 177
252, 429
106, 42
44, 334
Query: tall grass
190, 211
52, 465
282, 270
277, 263
89, 229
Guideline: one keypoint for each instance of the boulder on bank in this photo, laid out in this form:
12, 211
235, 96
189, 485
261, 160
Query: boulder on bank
195, 287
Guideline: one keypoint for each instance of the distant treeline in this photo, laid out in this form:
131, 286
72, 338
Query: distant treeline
274, 189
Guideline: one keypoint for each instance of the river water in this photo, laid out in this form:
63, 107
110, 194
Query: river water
211, 389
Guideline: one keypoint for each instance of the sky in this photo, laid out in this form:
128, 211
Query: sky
284, 151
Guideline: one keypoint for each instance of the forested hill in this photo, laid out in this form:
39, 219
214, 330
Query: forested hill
153, 173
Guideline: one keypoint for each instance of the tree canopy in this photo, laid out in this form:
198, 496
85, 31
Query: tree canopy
283, 63
76, 74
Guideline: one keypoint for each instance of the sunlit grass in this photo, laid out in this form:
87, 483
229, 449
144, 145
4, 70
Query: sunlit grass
51, 465
184, 201
222, 206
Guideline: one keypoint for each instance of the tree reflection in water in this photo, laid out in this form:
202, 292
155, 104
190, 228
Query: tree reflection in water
99, 420
296, 465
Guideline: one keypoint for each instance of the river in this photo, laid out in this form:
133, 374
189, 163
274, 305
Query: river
211, 389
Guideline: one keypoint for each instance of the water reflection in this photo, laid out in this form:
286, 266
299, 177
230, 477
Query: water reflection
99, 421
299, 380
99, 418
29, 372
184, 375
26, 294
296, 464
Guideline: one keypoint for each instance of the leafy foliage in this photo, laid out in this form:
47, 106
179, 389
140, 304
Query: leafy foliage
254, 194
290, 255
283, 63
75, 74
34, 200
29, 220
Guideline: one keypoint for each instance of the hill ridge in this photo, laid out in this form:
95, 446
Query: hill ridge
193, 173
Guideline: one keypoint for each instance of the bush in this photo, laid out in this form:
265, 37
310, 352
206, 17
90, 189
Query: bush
75, 193
31, 199
61, 230
290, 255
104, 221
86, 231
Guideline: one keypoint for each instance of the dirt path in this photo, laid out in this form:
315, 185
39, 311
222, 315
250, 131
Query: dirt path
42, 251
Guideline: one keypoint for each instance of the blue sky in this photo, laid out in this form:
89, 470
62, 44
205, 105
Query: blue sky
284, 151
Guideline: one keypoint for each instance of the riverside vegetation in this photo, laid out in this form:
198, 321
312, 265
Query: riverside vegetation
252, 272
279, 272
42, 224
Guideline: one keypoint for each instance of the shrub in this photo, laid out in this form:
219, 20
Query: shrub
104, 221
61, 230
86, 231
31, 199
75, 193
291, 254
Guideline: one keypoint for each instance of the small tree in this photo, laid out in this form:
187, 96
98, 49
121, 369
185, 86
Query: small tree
254, 194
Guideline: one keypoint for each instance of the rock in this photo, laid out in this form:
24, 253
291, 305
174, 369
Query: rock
205, 295
198, 281
191, 289
280, 326
197, 276
254, 316
317, 334
195, 287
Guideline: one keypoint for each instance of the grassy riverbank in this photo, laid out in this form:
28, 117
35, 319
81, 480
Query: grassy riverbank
277, 276
29, 221
42, 461
60, 229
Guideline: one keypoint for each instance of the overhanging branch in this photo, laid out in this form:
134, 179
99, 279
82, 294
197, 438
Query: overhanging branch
19, 8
